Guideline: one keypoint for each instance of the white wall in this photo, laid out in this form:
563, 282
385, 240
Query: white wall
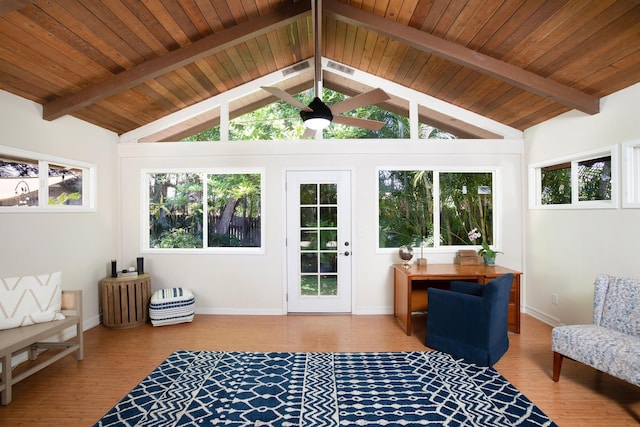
255, 283
78, 244
82, 244
567, 249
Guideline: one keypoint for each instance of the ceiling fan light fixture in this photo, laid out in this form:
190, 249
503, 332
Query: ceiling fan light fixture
319, 118
317, 123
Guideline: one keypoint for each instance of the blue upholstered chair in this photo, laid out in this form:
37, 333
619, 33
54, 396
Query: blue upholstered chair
469, 321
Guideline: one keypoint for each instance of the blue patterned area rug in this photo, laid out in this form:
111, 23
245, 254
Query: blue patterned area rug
212, 388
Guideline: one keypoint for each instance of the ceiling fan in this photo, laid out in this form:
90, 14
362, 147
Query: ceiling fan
318, 115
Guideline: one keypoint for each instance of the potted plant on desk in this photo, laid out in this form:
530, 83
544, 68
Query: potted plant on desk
488, 254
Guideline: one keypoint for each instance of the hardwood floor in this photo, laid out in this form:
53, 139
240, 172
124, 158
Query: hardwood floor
72, 393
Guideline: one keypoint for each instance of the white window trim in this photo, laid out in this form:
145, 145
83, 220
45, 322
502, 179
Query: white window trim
535, 181
631, 174
497, 205
144, 209
89, 185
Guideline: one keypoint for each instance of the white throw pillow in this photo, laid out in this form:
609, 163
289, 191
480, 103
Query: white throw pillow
28, 300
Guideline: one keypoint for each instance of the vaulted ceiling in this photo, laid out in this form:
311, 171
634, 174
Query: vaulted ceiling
127, 64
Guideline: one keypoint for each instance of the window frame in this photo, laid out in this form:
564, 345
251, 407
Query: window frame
144, 209
89, 174
631, 175
497, 206
535, 180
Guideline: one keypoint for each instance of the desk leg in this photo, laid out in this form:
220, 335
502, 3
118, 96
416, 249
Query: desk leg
402, 301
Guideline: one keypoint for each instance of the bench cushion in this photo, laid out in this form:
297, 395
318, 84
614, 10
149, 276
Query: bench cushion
605, 349
171, 306
28, 300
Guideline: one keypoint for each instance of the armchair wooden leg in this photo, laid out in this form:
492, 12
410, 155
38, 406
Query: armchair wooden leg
557, 365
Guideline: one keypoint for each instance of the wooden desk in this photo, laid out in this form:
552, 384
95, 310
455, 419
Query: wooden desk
406, 292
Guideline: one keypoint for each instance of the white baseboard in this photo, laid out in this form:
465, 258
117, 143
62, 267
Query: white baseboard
239, 311
275, 312
543, 317
371, 311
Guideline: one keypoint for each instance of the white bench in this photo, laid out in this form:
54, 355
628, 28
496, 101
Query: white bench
29, 338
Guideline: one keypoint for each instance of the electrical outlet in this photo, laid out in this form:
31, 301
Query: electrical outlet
554, 299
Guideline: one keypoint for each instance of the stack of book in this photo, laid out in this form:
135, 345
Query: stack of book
467, 257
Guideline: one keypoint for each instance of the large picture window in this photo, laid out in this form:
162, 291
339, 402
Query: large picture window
204, 210
435, 208
586, 180
31, 182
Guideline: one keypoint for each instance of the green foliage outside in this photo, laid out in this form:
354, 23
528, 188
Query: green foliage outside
64, 198
466, 202
594, 178
281, 121
406, 208
176, 210
556, 186
594, 182
405, 203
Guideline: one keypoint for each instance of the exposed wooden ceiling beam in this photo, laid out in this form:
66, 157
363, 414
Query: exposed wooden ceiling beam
461, 55
178, 58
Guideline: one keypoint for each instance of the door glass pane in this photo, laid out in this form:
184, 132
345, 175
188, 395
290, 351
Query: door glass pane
328, 217
309, 262
329, 285
328, 194
328, 239
308, 194
309, 285
318, 259
308, 217
329, 262
308, 240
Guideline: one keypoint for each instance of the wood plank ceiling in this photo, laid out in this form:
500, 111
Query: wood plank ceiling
122, 64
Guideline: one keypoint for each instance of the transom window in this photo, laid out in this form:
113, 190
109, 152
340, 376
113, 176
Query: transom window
281, 121
585, 180
31, 182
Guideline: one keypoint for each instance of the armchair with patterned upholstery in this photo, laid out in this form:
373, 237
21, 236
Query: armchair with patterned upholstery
612, 343
469, 321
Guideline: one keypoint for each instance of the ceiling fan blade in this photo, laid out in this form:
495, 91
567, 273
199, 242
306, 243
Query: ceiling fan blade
374, 96
361, 123
286, 97
309, 133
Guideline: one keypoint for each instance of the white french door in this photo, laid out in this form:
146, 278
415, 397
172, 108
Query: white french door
318, 241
